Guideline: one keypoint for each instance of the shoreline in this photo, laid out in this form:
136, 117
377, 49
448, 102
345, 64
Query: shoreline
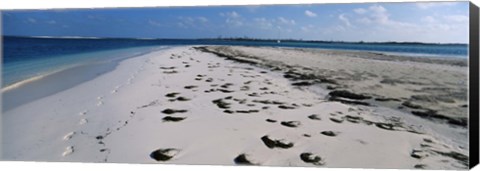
460, 59
208, 110
41, 86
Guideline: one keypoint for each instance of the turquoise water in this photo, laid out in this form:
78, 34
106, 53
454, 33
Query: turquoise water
17, 72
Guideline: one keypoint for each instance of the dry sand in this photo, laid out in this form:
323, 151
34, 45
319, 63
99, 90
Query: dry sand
186, 106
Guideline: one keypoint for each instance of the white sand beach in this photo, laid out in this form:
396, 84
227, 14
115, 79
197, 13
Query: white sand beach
185, 105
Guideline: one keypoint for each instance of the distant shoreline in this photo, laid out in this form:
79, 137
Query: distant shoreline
246, 39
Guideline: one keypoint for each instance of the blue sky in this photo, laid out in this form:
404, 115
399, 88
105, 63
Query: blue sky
439, 22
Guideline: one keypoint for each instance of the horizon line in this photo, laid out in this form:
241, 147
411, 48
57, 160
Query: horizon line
239, 38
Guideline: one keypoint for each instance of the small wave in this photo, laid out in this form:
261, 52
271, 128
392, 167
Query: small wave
65, 37
20, 83
32, 79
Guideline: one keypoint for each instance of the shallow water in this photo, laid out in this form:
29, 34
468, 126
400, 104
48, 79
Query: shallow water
69, 77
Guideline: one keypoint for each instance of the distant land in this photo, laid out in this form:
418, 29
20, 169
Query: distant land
244, 39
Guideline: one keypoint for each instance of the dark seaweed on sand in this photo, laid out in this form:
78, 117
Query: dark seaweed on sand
172, 111
162, 154
310, 158
242, 160
173, 119
275, 143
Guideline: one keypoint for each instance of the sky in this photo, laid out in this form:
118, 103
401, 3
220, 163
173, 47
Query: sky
433, 22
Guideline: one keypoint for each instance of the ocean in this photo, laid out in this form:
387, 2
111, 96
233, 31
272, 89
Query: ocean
28, 59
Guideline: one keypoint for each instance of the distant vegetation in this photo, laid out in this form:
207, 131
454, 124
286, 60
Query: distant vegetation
325, 41
248, 39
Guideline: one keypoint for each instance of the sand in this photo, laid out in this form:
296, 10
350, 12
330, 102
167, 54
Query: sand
430, 87
187, 106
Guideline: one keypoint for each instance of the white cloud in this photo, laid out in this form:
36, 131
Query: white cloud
345, 20
154, 23
193, 22
428, 5
360, 11
457, 18
307, 28
378, 24
378, 14
339, 28
379, 17
429, 19
364, 20
233, 18
234, 22
253, 8
310, 13
263, 23
286, 21
377, 9
232, 14
202, 19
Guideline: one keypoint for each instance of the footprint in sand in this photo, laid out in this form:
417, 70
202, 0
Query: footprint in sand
312, 158
68, 136
69, 150
100, 103
83, 112
291, 124
243, 159
330, 133
273, 143
114, 91
164, 154
83, 121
